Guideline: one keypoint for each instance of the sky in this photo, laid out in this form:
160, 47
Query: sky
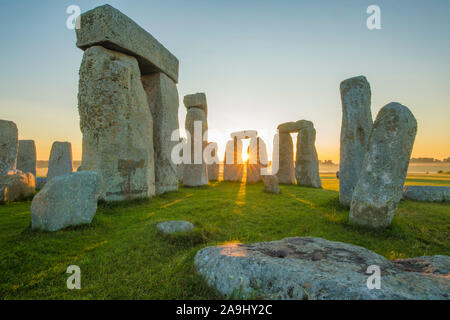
260, 63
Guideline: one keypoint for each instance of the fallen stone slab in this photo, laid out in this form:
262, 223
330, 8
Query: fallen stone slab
8, 146
315, 269
108, 27
26, 157
171, 227
427, 193
66, 200
16, 185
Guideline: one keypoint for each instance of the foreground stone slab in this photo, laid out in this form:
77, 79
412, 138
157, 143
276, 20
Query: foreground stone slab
116, 124
383, 173
313, 269
286, 173
171, 227
162, 97
8, 146
271, 184
26, 157
16, 185
197, 100
355, 130
307, 161
66, 200
108, 27
195, 174
427, 193
60, 161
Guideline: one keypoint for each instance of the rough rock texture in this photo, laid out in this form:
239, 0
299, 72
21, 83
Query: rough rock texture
427, 193
214, 167
110, 28
384, 168
195, 174
313, 269
8, 146
116, 124
66, 200
257, 160
40, 182
162, 97
60, 161
286, 173
170, 227
307, 161
197, 100
271, 184
292, 127
26, 156
16, 185
355, 130
233, 167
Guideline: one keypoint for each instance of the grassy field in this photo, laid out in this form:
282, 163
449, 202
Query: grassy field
123, 256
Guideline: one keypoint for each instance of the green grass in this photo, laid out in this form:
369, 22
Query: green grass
123, 256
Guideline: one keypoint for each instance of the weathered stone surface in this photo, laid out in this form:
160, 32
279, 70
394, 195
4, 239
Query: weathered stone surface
307, 161
16, 185
60, 159
271, 184
26, 157
116, 124
233, 167
110, 28
162, 97
214, 167
286, 173
355, 130
245, 134
66, 200
8, 146
197, 100
313, 269
257, 160
427, 193
195, 174
292, 127
384, 168
40, 182
170, 227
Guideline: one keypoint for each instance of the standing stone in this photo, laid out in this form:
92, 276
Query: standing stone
355, 130
162, 97
257, 160
195, 174
307, 161
286, 173
16, 185
8, 146
214, 167
427, 193
26, 157
271, 184
116, 124
380, 185
233, 168
60, 159
66, 200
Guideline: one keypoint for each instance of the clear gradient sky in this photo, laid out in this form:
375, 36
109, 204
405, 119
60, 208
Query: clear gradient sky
260, 63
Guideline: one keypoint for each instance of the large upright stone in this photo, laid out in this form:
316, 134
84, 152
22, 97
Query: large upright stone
197, 100
8, 146
257, 160
286, 173
307, 161
110, 28
195, 174
67, 200
355, 130
116, 124
26, 157
214, 167
60, 159
233, 167
380, 185
162, 97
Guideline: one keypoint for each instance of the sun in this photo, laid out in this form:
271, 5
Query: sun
245, 156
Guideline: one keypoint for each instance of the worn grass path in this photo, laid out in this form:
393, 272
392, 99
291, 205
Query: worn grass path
122, 255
